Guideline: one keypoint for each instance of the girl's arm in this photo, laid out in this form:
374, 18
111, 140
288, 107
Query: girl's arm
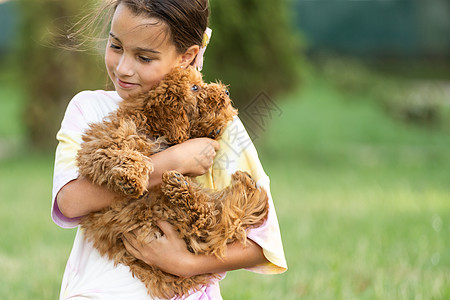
170, 253
193, 157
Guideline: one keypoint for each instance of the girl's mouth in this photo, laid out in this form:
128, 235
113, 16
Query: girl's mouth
125, 85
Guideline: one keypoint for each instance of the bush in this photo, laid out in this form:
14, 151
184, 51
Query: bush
51, 75
254, 48
416, 102
349, 74
413, 101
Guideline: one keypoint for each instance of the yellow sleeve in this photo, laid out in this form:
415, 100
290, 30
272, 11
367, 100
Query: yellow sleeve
237, 152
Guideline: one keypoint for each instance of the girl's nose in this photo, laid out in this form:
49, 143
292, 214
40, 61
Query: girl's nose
125, 66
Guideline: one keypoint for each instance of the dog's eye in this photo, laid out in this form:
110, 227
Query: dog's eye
194, 88
213, 134
227, 92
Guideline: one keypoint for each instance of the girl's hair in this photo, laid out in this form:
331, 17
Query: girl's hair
186, 20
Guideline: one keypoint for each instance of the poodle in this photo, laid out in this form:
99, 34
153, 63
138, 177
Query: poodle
116, 154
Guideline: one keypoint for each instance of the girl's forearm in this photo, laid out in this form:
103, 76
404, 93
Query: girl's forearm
80, 197
194, 157
238, 256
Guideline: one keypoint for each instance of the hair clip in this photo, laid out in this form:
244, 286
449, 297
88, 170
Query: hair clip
198, 63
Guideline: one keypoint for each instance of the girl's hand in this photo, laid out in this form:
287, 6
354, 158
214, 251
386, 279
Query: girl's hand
168, 252
194, 157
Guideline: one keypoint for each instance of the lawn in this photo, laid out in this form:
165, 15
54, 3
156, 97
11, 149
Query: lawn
363, 203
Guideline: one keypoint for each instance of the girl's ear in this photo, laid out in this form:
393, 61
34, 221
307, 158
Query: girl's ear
188, 57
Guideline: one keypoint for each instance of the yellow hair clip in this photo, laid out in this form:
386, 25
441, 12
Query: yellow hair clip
198, 63
206, 37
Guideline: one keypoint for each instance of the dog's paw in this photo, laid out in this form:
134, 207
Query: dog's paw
128, 183
243, 178
174, 181
129, 189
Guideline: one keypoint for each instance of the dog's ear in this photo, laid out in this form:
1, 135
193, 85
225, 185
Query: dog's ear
166, 109
215, 110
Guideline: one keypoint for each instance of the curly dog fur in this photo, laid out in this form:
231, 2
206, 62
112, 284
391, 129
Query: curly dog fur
115, 153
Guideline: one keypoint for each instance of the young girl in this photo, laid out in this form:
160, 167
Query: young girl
147, 39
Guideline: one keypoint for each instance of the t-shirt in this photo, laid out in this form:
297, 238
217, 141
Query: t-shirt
88, 275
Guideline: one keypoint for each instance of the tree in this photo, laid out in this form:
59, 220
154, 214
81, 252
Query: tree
254, 48
51, 75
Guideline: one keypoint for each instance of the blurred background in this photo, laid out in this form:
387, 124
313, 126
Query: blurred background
348, 103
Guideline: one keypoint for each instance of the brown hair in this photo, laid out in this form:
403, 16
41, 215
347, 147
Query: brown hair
186, 22
187, 19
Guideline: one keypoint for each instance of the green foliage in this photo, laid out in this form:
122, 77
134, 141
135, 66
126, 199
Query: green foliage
11, 126
51, 76
349, 74
254, 48
417, 100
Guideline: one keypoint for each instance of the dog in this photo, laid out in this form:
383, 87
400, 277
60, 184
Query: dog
115, 153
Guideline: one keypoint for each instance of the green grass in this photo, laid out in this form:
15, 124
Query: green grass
363, 203
11, 101
33, 251
12, 128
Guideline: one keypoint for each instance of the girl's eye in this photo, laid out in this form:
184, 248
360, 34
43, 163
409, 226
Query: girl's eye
145, 59
114, 47
194, 88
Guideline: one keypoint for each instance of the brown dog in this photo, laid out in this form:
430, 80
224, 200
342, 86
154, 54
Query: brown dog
115, 153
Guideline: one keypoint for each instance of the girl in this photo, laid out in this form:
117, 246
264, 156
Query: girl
147, 39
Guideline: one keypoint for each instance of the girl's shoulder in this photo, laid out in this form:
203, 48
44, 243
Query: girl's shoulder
98, 99
93, 106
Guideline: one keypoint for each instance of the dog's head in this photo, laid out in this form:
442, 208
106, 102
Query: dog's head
182, 106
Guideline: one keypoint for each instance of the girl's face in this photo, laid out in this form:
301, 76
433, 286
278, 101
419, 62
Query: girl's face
139, 52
